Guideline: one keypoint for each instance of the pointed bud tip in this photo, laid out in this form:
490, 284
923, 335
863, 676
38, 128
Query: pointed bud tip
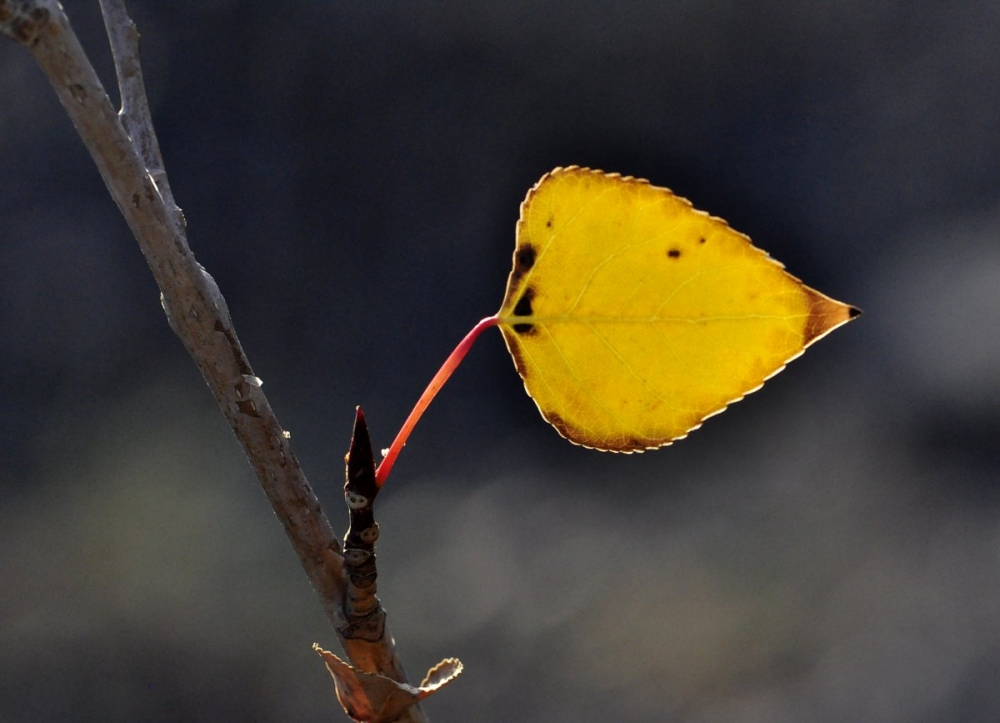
360, 459
360, 423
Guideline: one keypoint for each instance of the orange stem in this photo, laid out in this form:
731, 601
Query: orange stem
432, 389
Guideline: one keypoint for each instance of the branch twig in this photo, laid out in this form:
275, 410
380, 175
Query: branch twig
128, 158
195, 307
365, 633
135, 114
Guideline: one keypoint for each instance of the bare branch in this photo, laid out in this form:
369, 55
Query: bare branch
132, 170
195, 308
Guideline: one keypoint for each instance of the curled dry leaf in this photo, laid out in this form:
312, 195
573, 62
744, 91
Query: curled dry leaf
373, 698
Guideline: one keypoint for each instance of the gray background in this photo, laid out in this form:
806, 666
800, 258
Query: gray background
827, 550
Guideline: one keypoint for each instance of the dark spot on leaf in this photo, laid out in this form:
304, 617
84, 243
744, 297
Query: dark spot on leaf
548, 224
674, 253
854, 312
524, 259
523, 308
701, 240
525, 256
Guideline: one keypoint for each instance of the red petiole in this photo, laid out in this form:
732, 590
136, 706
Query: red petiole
432, 389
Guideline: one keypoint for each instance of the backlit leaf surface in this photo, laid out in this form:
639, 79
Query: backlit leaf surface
632, 316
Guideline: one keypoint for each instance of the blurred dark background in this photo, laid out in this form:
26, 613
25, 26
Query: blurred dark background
827, 550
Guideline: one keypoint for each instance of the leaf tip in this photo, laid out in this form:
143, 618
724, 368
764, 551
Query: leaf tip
825, 315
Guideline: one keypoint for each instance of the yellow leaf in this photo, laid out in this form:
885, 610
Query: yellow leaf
632, 317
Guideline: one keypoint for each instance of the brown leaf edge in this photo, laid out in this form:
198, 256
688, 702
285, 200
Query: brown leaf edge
373, 698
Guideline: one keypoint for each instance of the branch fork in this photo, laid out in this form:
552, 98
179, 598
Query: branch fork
127, 154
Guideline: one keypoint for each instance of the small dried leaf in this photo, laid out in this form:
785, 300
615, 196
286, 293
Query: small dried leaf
440, 675
373, 698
